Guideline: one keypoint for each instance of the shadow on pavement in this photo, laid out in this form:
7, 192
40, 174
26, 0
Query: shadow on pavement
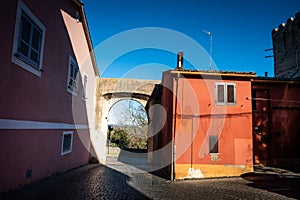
275, 180
99, 182
138, 158
134, 157
134, 164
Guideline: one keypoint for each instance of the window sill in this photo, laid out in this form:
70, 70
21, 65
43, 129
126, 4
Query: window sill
226, 104
66, 152
26, 66
71, 91
84, 98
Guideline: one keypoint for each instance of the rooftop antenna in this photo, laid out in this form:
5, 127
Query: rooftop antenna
209, 33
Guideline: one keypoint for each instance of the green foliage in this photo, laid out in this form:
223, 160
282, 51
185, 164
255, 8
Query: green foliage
131, 128
136, 142
119, 137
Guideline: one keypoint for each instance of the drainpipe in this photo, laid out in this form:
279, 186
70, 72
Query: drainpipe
179, 67
173, 174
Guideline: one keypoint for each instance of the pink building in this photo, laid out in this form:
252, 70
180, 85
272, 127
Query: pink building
47, 90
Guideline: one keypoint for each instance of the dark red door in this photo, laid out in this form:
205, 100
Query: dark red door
261, 127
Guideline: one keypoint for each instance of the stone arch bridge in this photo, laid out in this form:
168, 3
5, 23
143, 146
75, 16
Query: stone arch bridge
108, 92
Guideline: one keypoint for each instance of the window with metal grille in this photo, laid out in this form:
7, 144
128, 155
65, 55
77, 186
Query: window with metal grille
72, 85
225, 93
67, 141
213, 144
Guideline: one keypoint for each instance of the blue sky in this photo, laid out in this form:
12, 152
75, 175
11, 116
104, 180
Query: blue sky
241, 33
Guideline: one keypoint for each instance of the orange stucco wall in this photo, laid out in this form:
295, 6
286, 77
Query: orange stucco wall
198, 117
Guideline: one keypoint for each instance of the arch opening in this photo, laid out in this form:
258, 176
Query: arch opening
127, 125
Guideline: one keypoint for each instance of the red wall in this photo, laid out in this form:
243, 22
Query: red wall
275, 117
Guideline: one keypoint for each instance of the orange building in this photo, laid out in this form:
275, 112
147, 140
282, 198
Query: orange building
206, 124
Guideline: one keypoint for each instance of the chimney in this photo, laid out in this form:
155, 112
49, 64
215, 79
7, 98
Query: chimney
179, 61
266, 74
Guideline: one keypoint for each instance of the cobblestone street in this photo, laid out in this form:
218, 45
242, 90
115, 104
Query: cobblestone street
105, 182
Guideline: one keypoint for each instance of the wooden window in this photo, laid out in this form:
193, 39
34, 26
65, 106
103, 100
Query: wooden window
28, 40
29, 45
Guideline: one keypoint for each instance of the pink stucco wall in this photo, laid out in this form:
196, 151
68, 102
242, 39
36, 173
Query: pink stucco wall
27, 97
39, 151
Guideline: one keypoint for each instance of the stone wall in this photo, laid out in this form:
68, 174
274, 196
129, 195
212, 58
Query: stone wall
286, 48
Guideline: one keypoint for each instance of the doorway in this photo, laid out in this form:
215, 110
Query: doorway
262, 137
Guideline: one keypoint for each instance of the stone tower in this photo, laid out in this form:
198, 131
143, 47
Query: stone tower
286, 48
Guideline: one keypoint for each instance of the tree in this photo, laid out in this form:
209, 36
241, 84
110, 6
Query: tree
135, 122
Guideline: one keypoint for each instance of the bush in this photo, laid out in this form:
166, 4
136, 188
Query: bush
120, 138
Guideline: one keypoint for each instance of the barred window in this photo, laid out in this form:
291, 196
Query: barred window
67, 141
213, 144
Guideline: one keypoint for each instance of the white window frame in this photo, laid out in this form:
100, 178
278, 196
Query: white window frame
22, 61
84, 86
225, 93
73, 62
62, 142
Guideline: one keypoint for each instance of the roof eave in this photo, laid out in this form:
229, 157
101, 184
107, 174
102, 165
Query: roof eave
195, 73
87, 34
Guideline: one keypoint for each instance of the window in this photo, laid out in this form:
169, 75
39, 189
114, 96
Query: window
29, 45
84, 97
28, 40
72, 84
213, 144
220, 93
67, 140
225, 93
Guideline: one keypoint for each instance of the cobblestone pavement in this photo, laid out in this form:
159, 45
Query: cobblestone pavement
105, 182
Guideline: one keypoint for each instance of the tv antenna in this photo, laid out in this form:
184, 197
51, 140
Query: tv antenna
209, 33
